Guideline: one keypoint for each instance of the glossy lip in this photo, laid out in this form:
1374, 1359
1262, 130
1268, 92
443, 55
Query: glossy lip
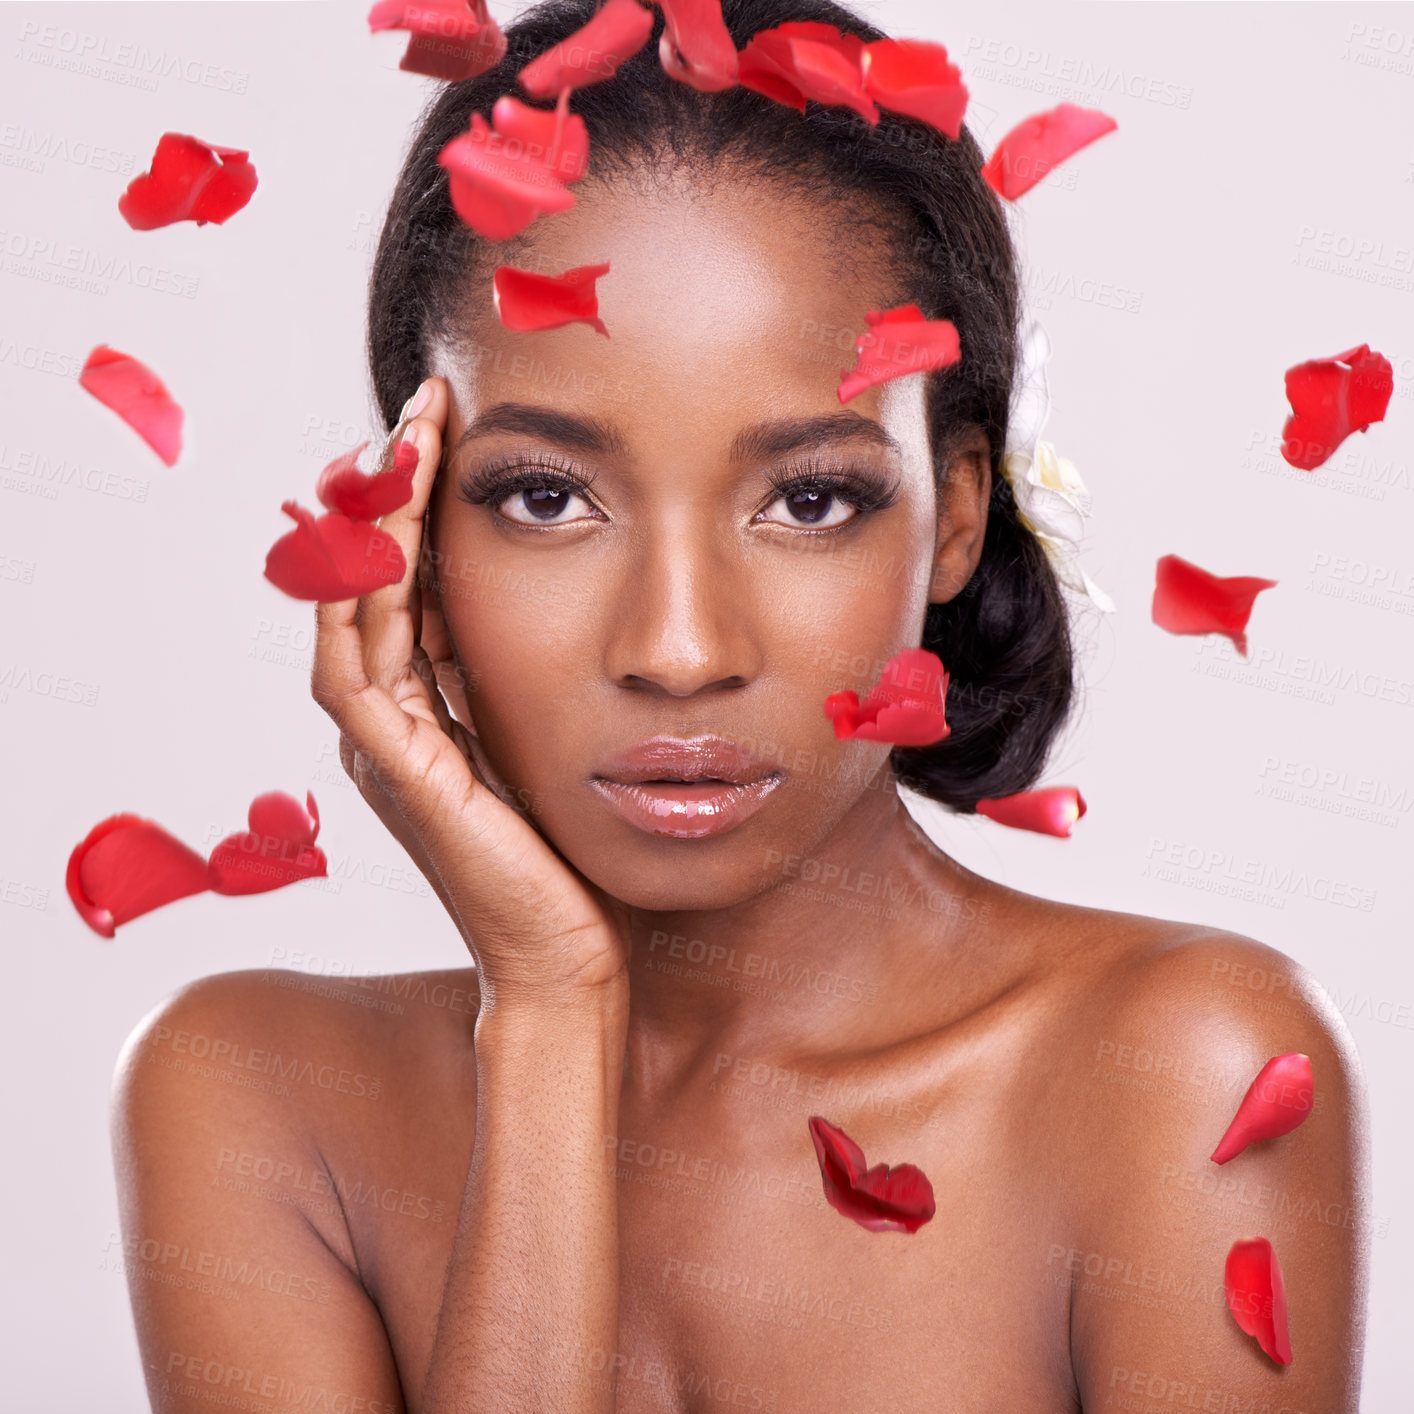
717, 785
686, 811
706, 757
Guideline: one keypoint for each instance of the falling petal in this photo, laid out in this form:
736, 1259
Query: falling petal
138, 396
1039, 143
127, 866
526, 301
905, 709
1331, 398
1256, 1296
276, 850
807, 59
1276, 1102
882, 1199
1049, 811
899, 341
1190, 600
189, 180
450, 39
501, 176
615, 33
535, 130
344, 488
332, 558
695, 46
914, 76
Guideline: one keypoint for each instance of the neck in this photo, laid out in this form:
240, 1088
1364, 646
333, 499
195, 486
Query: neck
840, 942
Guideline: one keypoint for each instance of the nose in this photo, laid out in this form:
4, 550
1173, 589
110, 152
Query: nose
686, 620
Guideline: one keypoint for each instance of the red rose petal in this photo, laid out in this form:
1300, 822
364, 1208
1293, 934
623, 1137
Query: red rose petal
450, 39
332, 558
882, 1199
498, 192
1332, 398
899, 341
361, 495
526, 301
278, 849
1190, 600
914, 76
807, 59
189, 180
1038, 143
695, 46
1049, 811
535, 130
1256, 1296
615, 33
906, 708
127, 866
1277, 1101
132, 390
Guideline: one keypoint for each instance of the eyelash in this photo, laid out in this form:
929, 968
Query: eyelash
497, 481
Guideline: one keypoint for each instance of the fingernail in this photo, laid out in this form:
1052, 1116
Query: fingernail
417, 402
410, 434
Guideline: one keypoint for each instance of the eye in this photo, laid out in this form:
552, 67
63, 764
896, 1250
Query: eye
814, 498
530, 491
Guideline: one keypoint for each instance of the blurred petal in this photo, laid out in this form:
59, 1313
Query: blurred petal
882, 1199
1331, 398
527, 301
1190, 600
127, 866
906, 708
499, 192
138, 396
1256, 1296
189, 180
914, 76
278, 849
1038, 143
332, 558
360, 495
615, 33
807, 59
1049, 811
450, 39
514, 121
1275, 1103
899, 341
695, 46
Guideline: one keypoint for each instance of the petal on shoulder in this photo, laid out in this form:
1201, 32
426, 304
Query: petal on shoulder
1178, 1033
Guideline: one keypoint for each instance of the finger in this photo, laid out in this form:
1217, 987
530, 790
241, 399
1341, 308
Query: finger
339, 680
450, 677
385, 617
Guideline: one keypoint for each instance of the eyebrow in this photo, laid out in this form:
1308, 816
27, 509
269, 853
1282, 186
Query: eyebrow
593, 436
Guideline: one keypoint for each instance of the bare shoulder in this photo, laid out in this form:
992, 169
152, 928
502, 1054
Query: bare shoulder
282, 1025
237, 1103
1148, 1034
287, 1067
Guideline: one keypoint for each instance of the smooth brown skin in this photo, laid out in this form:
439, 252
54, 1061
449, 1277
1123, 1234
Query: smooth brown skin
981, 1038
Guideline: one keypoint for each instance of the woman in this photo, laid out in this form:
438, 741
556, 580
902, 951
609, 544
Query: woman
596, 725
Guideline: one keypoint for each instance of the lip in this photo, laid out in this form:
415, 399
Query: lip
718, 785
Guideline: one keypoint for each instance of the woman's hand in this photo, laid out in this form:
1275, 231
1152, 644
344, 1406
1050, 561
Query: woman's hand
537, 928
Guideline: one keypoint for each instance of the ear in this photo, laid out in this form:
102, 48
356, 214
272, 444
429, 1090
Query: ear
962, 513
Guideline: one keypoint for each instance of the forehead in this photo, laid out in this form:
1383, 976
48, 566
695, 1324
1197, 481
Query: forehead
727, 300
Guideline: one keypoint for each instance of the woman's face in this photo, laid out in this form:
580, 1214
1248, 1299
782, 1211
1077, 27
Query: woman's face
685, 593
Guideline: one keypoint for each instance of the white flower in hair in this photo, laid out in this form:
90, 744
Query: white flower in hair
1049, 493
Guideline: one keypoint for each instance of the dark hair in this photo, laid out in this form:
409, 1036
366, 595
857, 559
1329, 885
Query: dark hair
1005, 638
